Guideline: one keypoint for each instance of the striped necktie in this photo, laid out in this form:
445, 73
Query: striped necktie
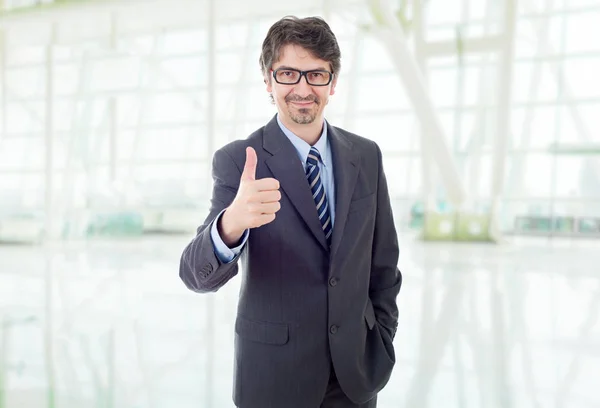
313, 174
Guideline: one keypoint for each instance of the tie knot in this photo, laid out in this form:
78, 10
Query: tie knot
313, 157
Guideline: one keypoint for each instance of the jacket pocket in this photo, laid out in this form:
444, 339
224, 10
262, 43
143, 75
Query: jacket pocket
370, 314
262, 332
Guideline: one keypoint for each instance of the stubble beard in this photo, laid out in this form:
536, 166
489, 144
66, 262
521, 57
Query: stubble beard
303, 116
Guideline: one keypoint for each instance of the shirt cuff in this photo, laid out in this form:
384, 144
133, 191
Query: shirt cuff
223, 252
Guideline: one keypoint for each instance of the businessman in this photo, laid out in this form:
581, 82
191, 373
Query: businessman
305, 207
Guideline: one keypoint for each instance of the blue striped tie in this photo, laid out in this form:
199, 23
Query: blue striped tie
313, 174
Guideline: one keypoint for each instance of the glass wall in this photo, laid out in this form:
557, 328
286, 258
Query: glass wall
122, 99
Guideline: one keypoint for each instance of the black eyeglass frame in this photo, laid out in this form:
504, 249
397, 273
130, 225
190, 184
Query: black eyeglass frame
302, 74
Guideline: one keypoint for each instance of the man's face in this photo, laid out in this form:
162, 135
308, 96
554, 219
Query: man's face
301, 103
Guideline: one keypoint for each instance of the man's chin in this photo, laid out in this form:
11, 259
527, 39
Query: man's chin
303, 119
303, 116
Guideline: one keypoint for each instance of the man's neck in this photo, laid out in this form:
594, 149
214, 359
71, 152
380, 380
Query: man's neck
310, 132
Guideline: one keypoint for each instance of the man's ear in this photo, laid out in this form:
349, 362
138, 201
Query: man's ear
267, 81
333, 84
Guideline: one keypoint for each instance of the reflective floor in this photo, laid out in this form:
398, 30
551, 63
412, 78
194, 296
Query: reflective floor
109, 324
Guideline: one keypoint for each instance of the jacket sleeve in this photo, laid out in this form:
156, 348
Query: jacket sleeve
386, 278
200, 268
224, 253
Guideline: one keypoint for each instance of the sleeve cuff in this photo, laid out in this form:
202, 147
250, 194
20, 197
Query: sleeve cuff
223, 252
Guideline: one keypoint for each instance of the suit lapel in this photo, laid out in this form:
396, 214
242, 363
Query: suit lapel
345, 167
289, 171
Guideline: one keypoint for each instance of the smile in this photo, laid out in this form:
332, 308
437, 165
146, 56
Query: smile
303, 104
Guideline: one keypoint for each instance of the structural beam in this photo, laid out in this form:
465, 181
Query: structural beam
505, 75
391, 33
49, 138
426, 158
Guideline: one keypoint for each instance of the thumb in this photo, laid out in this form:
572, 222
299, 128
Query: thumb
249, 173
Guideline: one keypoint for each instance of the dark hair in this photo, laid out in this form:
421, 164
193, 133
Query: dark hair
311, 33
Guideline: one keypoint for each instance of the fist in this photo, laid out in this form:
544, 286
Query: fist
256, 202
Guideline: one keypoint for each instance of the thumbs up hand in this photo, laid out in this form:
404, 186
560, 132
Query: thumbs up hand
255, 204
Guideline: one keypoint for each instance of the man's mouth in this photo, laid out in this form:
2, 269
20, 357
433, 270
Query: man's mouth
303, 104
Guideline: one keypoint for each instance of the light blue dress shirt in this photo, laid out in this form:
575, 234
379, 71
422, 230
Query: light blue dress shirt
226, 254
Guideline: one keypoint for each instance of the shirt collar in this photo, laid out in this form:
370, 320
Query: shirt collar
303, 148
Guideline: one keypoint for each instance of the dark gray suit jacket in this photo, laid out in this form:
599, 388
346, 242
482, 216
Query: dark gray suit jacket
303, 306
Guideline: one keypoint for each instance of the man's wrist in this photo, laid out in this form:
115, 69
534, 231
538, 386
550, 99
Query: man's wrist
230, 235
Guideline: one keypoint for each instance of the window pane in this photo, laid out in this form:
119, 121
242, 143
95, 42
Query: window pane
581, 75
393, 133
583, 32
24, 117
114, 74
534, 127
381, 92
442, 86
533, 82
403, 175
532, 178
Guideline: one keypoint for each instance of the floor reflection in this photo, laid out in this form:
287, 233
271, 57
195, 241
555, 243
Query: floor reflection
109, 324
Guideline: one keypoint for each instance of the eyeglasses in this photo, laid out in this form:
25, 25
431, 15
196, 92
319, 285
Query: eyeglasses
290, 76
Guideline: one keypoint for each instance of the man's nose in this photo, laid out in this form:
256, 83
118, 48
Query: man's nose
302, 88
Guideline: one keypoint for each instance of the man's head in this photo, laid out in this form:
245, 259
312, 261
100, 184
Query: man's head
292, 47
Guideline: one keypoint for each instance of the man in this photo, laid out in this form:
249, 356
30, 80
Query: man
305, 206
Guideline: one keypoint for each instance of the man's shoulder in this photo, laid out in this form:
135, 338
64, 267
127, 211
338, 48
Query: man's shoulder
358, 142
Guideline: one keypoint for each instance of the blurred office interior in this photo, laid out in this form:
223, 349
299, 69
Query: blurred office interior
487, 115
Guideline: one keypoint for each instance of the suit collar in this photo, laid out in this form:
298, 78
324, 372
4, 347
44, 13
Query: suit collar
303, 148
273, 138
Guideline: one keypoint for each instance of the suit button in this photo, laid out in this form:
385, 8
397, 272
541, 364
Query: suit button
333, 281
333, 329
